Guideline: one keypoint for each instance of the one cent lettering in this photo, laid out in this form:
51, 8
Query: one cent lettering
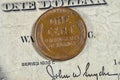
60, 33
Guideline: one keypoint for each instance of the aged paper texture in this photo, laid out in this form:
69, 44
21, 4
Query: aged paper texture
100, 59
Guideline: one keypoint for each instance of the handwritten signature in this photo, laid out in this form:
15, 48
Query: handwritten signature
60, 75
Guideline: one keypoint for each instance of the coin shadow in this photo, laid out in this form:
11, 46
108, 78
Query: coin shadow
90, 27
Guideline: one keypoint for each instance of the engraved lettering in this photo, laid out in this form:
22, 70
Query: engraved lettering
62, 41
73, 2
59, 20
27, 39
56, 3
58, 31
45, 4
29, 5
8, 7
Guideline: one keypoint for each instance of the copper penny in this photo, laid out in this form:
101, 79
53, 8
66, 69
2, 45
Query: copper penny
60, 33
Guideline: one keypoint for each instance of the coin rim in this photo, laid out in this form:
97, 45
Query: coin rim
38, 47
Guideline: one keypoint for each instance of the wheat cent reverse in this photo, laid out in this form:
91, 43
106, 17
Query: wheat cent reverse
60, 34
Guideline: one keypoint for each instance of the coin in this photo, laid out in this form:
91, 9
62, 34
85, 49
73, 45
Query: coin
60, 33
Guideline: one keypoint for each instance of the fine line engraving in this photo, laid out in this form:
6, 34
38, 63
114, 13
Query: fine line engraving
46, 4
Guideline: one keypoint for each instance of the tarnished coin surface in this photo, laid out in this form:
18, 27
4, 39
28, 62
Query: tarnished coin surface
60, 34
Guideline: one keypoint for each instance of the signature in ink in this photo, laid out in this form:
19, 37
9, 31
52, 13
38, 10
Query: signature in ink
60, 74
86, 73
